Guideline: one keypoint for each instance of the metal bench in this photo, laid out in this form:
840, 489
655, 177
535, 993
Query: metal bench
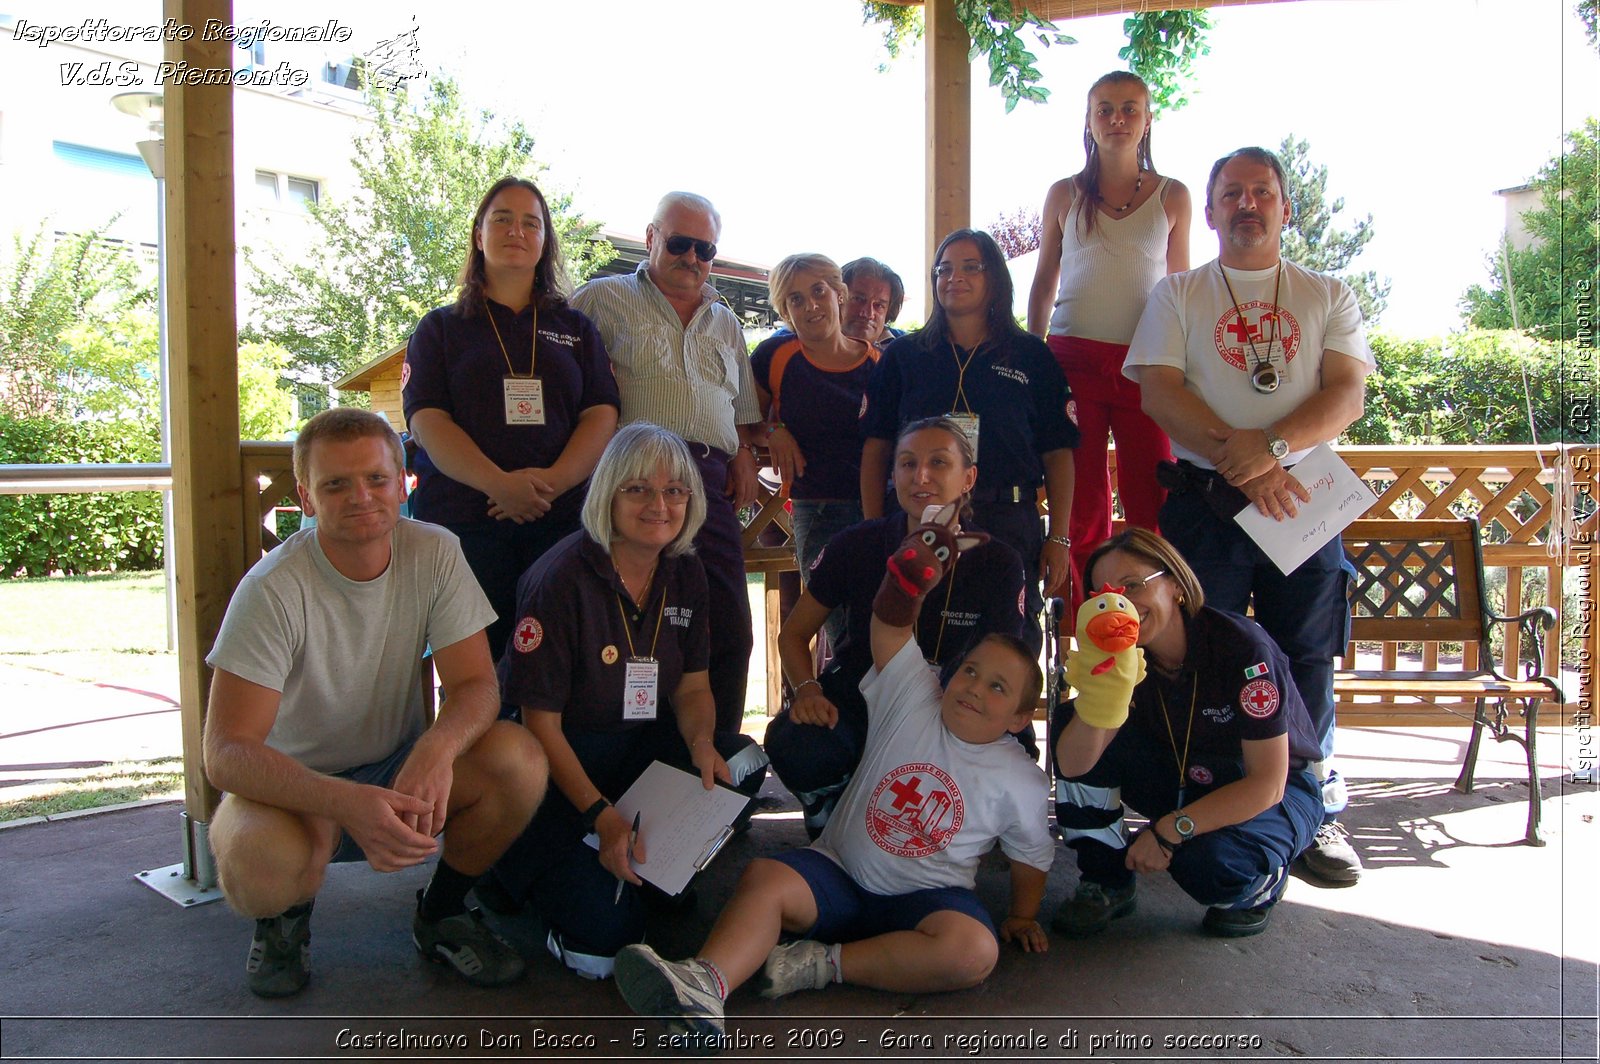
1423, 581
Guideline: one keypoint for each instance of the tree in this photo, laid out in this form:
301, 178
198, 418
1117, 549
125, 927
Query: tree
49, 286
1162, 45
1310, 238
1017, 233
1547, 275
390, 253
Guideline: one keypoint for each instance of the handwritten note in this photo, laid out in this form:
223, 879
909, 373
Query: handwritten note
1338, 497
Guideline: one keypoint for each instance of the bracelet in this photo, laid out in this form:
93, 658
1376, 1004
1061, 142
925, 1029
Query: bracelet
754, 453
697, 742
1169, 848
591, 815
802, 683
1065, 541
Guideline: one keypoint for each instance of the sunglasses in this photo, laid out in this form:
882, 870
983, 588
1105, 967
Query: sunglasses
704, 250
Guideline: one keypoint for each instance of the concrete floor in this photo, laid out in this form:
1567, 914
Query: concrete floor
1459, 944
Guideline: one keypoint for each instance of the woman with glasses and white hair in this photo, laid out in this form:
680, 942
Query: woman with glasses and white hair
973, 362
607, 664
1213, 751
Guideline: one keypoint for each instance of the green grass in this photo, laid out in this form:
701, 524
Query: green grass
127, 781
121, 613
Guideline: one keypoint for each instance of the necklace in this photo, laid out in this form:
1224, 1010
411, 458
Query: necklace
1137, 185
644, 588
1264, 377
1172, 738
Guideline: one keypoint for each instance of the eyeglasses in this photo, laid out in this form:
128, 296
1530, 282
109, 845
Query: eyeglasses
644, 494
945, 269
1136, 585
704, 250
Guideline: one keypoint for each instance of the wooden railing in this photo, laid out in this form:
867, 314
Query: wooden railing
1517, 493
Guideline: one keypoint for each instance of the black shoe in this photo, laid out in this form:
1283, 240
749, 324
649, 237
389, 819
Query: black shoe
1237, 923
1093, 907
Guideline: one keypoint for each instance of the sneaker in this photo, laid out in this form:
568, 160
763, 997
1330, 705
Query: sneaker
682, 993
1236, 923
800, 965
467, 944
1330, 857
1093, 907
280, 955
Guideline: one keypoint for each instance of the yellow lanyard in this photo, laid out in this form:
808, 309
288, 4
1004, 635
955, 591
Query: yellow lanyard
961, 372
1183, 762
533, 351
627, 630
944, 615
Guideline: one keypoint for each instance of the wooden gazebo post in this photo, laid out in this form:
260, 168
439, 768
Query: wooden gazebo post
207, 516
948, 129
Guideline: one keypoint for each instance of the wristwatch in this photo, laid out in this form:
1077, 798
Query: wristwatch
1277, 446
591, 815
1184, 826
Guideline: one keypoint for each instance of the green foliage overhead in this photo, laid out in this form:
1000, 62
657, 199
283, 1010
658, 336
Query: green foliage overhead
1474, 387
390, 252
1310, 238
45, 534
1557, 272
1587, 15
1162, 47
50, 286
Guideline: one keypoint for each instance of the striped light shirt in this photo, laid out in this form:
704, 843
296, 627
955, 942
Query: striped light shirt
695, 381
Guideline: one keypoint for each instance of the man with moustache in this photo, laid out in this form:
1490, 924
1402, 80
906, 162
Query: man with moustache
1248, 363
876, 295
680, 360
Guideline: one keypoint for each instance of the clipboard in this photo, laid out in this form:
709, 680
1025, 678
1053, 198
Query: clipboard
683, 825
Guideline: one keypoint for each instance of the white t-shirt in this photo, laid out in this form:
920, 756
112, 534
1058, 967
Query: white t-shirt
923, 805
345, 654
1190, 324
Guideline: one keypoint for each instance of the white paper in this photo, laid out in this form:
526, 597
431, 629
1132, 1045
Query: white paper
683, 823
1338, 497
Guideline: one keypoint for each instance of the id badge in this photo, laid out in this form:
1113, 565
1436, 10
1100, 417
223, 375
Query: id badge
1275, 355
639, 689
524, 400
968, 424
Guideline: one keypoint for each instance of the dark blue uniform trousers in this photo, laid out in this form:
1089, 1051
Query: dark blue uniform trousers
551, 866
1240, 866
720, 548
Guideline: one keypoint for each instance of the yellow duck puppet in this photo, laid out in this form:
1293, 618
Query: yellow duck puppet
1107, 665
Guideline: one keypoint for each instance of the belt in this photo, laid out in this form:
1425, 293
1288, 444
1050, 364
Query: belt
1010, 493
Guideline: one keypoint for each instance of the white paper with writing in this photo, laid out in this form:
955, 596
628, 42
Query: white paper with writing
1338, 497
683, 823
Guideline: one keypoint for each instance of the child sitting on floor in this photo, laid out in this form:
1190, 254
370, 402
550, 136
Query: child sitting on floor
884, 897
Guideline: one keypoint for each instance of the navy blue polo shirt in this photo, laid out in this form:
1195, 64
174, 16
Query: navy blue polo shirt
1241, 690
822, 409
1013, 384
982, 594
568, 652
456, 364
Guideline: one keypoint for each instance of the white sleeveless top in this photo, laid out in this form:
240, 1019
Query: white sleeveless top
1107, 276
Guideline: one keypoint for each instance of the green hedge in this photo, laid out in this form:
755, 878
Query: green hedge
1472, 387
45, 534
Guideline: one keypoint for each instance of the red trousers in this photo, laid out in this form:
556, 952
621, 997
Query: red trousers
1105, 403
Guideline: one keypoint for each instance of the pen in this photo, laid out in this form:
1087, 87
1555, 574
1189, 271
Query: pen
633, 837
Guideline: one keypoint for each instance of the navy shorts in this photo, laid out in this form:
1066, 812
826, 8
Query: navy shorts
376, 774
847, 913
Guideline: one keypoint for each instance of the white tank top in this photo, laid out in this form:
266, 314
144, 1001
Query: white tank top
1107, 276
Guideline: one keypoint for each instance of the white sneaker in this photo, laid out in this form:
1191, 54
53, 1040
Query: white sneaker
680, 991
800, 965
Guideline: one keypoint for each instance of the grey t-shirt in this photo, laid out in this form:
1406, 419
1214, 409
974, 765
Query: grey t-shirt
347, 655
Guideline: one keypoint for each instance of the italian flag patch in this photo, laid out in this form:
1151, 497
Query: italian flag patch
1258, 669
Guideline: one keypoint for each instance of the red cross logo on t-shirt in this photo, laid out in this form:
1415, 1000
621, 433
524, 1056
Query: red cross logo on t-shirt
915, 811
1258, 323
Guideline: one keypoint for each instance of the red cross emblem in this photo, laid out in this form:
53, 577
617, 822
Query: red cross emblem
1259, 698
915, 811
528, 636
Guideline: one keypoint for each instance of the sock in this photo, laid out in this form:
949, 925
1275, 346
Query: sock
446, 895
716, 977
836, 961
